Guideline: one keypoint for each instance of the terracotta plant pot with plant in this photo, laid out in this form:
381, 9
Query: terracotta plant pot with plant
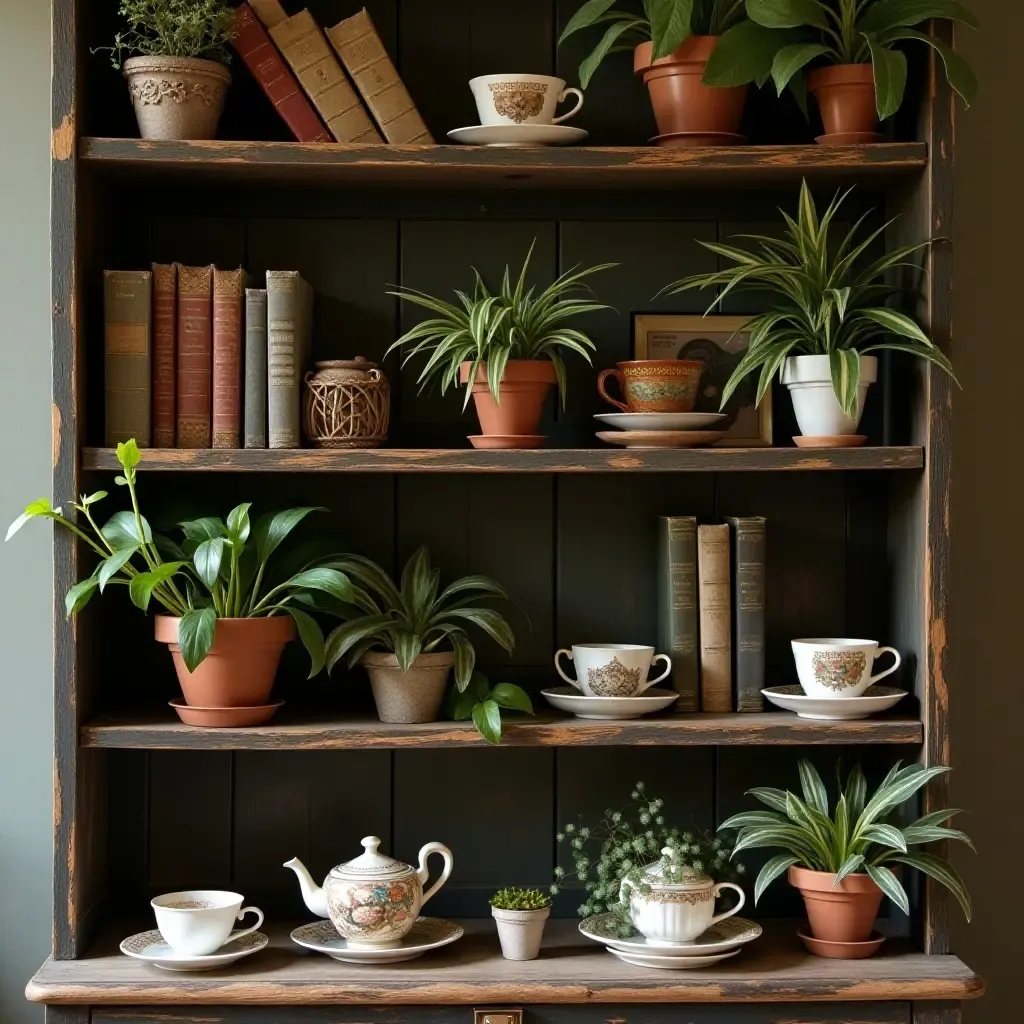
228, 619
826, 317
504, 348
394, 632
179, 77
842, 859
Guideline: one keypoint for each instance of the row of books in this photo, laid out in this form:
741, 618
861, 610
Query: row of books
195, 359
711, 599
351, 93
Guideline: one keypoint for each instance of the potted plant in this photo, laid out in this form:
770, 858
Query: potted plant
484, 703
395, 633
828, 315
842, 862
227, 621
179, 78
672, 42
520, 915
859, 76
505, 347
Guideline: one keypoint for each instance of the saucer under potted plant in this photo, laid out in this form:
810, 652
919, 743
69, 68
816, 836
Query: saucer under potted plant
841, 856
826, 318
520, 915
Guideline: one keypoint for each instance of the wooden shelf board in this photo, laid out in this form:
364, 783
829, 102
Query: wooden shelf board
459, 166
775, 968
162, 731
542, 460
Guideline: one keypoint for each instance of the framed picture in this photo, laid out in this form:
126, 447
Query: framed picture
719, 343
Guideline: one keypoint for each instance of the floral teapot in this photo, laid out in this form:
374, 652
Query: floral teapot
372, 900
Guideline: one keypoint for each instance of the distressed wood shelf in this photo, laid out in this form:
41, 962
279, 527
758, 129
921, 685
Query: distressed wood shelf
461, 166
570, 970
162, 731
542, 460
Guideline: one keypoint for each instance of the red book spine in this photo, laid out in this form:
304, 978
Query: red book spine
228, 290
282, 88
165, 356
195, 355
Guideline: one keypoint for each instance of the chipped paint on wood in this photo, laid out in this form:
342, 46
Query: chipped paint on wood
55, 432
62, 141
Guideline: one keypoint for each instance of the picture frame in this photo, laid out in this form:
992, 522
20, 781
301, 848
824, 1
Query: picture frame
719, 342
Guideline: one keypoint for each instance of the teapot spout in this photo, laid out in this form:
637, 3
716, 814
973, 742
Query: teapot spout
312, 894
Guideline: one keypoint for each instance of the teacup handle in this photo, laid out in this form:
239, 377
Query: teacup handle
668, 668
571, 91
422, 873
558, 668
888, 671
238, 933
617, 375
735, 910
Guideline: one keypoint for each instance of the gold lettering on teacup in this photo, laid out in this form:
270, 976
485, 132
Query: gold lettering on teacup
518, 101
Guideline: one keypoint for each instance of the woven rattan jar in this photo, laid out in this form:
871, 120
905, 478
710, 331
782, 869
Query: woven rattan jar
347, 404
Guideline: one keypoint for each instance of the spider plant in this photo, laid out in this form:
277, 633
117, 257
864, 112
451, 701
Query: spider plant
825, 302
665, 23
857, 837
490, 328
784, 36
413, 617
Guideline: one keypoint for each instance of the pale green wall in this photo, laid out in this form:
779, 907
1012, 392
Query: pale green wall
26, 819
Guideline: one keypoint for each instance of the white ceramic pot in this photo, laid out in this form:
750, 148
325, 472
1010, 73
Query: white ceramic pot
831, 667
177, 97
818, 412
612, 670
520, 932
679, 904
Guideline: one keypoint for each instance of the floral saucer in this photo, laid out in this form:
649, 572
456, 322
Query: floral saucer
151, 948
426, 934
609, 709
722, 937
834, 709
671, 963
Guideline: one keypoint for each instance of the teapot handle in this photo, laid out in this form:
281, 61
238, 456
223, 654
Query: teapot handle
423, 872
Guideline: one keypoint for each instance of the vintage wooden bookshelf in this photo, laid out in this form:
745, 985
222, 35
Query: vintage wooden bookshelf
858, 541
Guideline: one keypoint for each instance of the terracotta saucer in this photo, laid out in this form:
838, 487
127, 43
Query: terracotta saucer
507, 440
840, 950
679, 139
850, 139
834, 441
224, 718
661, 438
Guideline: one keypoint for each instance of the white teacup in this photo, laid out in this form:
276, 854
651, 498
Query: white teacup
831, 667
612, 670
197, 922
522, 99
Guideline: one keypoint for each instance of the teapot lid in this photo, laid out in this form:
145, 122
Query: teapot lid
371, 863
674, 875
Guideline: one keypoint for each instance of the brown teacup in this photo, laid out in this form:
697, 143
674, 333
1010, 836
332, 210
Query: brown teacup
654, 385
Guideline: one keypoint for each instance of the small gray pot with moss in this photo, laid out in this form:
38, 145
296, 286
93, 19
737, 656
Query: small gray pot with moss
520, 915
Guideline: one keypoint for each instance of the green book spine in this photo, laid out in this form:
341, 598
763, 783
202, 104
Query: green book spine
677, 607
128, 315
748, 590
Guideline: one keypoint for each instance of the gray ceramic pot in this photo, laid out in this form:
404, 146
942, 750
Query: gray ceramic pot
407, 698
177, 97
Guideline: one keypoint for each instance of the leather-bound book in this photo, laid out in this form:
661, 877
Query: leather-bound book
255, 368
362, 53
282, 88
289, 325
678, 628
714, 584
195, 356
165, 352
304, 47
127, 335
748, 590
228, 304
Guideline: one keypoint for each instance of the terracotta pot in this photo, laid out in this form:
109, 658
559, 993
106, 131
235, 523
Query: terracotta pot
239, 671
846, 98
681, 101
524, 387
845, 913
408, 698
177, 97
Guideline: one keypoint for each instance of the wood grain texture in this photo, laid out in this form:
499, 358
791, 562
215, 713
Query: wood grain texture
543, 460
936, 1013
472, 972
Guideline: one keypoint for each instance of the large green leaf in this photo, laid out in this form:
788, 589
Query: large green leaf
897, 323
128, 454
196, 630
890, 68
345, 637
943, 873
670, 25
271, 529
793, 58
487, 719
465, 658
605, 46
238, 523
890, 885
745, 54
490, 621
813, 788
845, 366
888, 14
958, 72
508, 695
408, 647
121, 530
917, 834
312, 639
774, 798
461, 705
788, 13
141, 587
852, 864
111, 566
330, 581
753, 819
900, 785
202, 529
207, 559
778, 864
79, 595
885, 835
40, 508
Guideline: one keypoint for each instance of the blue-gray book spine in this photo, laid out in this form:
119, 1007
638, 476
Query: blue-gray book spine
748, 600
255, 430
678, 621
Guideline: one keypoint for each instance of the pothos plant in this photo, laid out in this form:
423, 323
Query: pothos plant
219, 570
175, 28
626, 842
484, 704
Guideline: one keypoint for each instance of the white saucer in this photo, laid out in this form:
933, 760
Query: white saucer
150, 947
834, 709
722, 937
568, 698
660, 420
518, 135
426, 934
670, 963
